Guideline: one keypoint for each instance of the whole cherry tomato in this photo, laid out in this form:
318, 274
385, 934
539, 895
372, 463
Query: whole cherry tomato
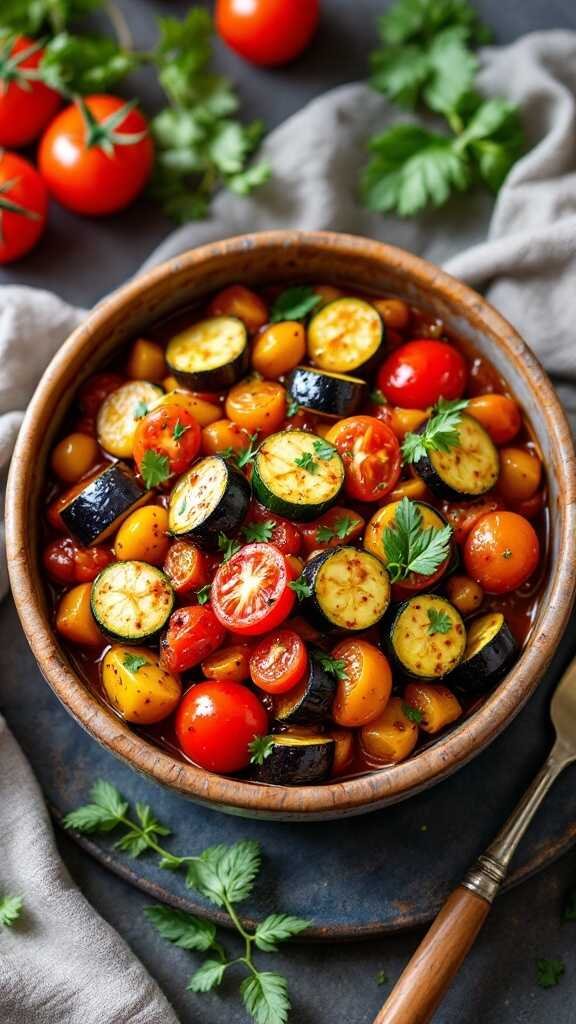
26, 104
279, 661
216, 722
499, 415
250, 593
23, 206
285, 535
257, 405
267, 32
172, 434
68, 562
96, 389
420, 372
501, 552
193, 633
96, 156
371, 456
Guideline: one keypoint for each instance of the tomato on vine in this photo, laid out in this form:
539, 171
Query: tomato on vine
26, 104
23, 206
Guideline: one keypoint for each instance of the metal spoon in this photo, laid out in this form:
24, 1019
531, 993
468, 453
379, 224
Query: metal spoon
424, 981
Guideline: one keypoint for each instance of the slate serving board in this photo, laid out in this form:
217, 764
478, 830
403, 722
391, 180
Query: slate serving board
357, 878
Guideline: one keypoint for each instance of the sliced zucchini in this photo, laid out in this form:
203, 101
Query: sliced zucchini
293, 477
428, 637
132, 601
119, 415
211, 498
309, 701
345, 335
211, 355
331, 394
350, 588
97, 510
466, 471
297, 760
490, 650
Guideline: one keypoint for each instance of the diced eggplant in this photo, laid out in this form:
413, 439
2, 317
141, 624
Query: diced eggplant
297, 760
309, 701
211, 355
292, 479
330, 394
346, 336
463, 472
211, 498
120, 413
350, 589
97, 510
132, 601
490, 651
427, 637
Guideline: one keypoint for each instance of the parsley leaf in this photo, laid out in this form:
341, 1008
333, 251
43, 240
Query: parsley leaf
440, 622
133, 662
339, 529
412, 714
417, 20
228, 546
334, 666
104, 813
306, 461
259, 531
324, 450
440, 432
225, 874
182, 929
549, 972
411, 547
140, 410
301, 588
377, 397
74, 64
10, 910
54, 15
154, 468
260, 748
265, 996
277, 928
292, 407
179, 430
203, 594
207, 977
247, 455
295, 303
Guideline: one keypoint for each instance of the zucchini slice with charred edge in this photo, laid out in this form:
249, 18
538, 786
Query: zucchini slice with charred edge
297, 760
97, 510
350, 588
309, 701
428, 637
283, 484
330, 394
132, 601
466, 471
211, 498
212, 355
345, 336
490, 650
119, 414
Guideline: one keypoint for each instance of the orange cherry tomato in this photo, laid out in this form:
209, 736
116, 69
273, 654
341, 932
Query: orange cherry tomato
185, 567
501, 552
267, 32
371, 456
172, 434
520, 474
499, 415
465, 594
406, 421
279, 348
26, 104
228, 663
257, 405
392, 736
279, 662
223, 435
240, 302
215, 723
437, 705
365, 690
74, 456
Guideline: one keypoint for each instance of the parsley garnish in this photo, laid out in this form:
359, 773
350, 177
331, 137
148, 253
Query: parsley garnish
412, 714
224, 875
306, 461
301, 588
203, 594
377, 397
440, 622
339, 529
155, 468
334, 666
440, 432
179, 430
259, 531
10, 910
292, 407
260, 748
324, 450
247, 455
134, 662
549, 972
228, 546
411, 547
295, 303
382, 978
140, 410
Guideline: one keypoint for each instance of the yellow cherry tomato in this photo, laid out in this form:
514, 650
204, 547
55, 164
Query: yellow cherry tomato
392, 736
137, 686
74, 619
224, 434
239, 301
414, 488
365, 690
203, 412
257, 405
279, 348
394, 312
437, 705
146, 361
465, 594
520, 474
74, 456
406, 421
143, 536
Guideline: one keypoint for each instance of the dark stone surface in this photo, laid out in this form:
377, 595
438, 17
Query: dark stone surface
82, 260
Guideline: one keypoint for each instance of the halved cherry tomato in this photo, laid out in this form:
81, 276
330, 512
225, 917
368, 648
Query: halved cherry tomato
285, 536
371, 456
185, 567
364, 691
215, 723
23, 206
236, 300
96, 389
68, 562
279, 662
228, 663
193, 633
26, 104
172, 433
267, 32
250, 593
499, 415
463, 518
257, 405
223, 435
420, 372
336, 526
501, 552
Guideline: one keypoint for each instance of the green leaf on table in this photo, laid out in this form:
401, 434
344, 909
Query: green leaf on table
277, 928
148, 822
494, 138
265, 996
294, 303
419, 20
33, 16
10, 910
226, 873
182, 929
549, 972
103, 814
207, 977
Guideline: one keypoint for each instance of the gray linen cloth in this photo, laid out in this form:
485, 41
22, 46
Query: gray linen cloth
64, 965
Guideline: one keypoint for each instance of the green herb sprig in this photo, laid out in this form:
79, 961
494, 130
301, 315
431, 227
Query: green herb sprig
409, 546
228, 546
334, 666
294, 303
10, 910
301, 588
439, 621
440, 432
339, 530
223, 875
261, 532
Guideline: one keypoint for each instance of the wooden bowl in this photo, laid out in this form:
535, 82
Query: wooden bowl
283, 256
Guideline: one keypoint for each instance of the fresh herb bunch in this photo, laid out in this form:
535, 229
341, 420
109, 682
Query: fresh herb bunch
224, 875
409, 546
427, 59
440, 432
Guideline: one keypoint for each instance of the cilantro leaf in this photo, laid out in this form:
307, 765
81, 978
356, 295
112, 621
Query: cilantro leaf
277, 928
32, 17
133, 662
324, 450
292, 407
103, 814
334, 666
225, 873
261, 532
411, 547
260, 748
377, 397
228, 546
182, 929
412, 714
154, 468
10, 910
179, 430
301, 588
440, 432
74, 64
203, 594
418, 20
339, 529
207, 977
306, 461
549, 972
440, 622
247, 455
295, 303
265, 996
495, 140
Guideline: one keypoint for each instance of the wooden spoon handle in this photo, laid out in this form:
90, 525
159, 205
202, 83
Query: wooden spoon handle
428, 975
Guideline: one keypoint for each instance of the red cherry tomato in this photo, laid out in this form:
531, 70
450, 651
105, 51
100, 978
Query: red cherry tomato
267, 32
279, 661
337, 526
96, 389
170, 431
215, 723
501, 552
23, 206
371, 456
420, 372
250, 593
68, 562
185, 567
26, 104
285, 536
96, 156
193, 633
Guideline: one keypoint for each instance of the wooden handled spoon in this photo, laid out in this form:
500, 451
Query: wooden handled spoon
423, 983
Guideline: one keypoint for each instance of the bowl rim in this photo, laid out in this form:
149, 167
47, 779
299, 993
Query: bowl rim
361, 793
